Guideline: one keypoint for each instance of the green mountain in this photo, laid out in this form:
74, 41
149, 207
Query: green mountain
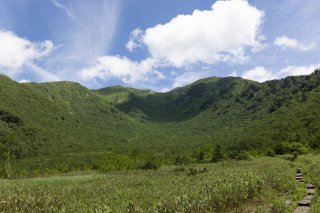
66, 119
231, 111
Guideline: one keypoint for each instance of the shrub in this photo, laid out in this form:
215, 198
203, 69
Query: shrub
180, 169
217, 154
115, 162
270, 153
151, 165
193, 171
291, 148
183, 160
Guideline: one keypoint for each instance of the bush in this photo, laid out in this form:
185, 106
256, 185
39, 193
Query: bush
183, 160
116, 162
294, 148
180, 169
151, 165
239, 155
243, 155
193, 171
217, 154
270, 153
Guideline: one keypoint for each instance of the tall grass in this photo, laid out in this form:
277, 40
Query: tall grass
261, 185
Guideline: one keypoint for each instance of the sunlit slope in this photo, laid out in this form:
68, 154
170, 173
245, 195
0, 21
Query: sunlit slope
65, 117
59, 117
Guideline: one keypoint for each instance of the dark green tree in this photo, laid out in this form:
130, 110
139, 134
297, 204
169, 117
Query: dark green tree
200, 157
217, 154
7, 144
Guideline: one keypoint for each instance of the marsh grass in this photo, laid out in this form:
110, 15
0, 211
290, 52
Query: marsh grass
261, 185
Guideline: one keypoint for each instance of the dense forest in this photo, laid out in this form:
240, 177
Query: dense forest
63, 126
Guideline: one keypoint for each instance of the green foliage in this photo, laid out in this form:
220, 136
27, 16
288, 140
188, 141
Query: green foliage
262, 184
194, 171
217, 155
151, 164
239, 155
201, 157
270, 153
294, 148
116, 162
183, 160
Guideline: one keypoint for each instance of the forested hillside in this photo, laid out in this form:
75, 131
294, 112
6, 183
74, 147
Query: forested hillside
50, 120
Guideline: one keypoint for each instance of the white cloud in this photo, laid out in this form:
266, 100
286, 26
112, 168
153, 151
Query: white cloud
259, 74
135, 39
24, 81
15, 52
298, 70
122, 68
285, 42
221, 34
187, 78
164, 90
234, 74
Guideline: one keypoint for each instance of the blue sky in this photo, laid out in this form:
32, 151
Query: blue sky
157, 45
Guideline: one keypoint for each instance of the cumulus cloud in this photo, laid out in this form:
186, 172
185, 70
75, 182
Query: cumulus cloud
122, 68
135, 39
298, 70
15, 52
285, 42
221, 34
187, 78
259, 74
234, 74
24, 81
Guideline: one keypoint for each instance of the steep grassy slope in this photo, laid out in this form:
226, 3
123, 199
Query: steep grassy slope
59, 117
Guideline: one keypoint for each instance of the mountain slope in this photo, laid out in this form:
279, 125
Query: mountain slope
59, 117
231, 111
65, 118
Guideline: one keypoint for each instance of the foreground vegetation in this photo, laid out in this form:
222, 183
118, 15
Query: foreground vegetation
261, 185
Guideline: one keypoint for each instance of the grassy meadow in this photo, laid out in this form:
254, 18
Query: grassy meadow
263, 184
